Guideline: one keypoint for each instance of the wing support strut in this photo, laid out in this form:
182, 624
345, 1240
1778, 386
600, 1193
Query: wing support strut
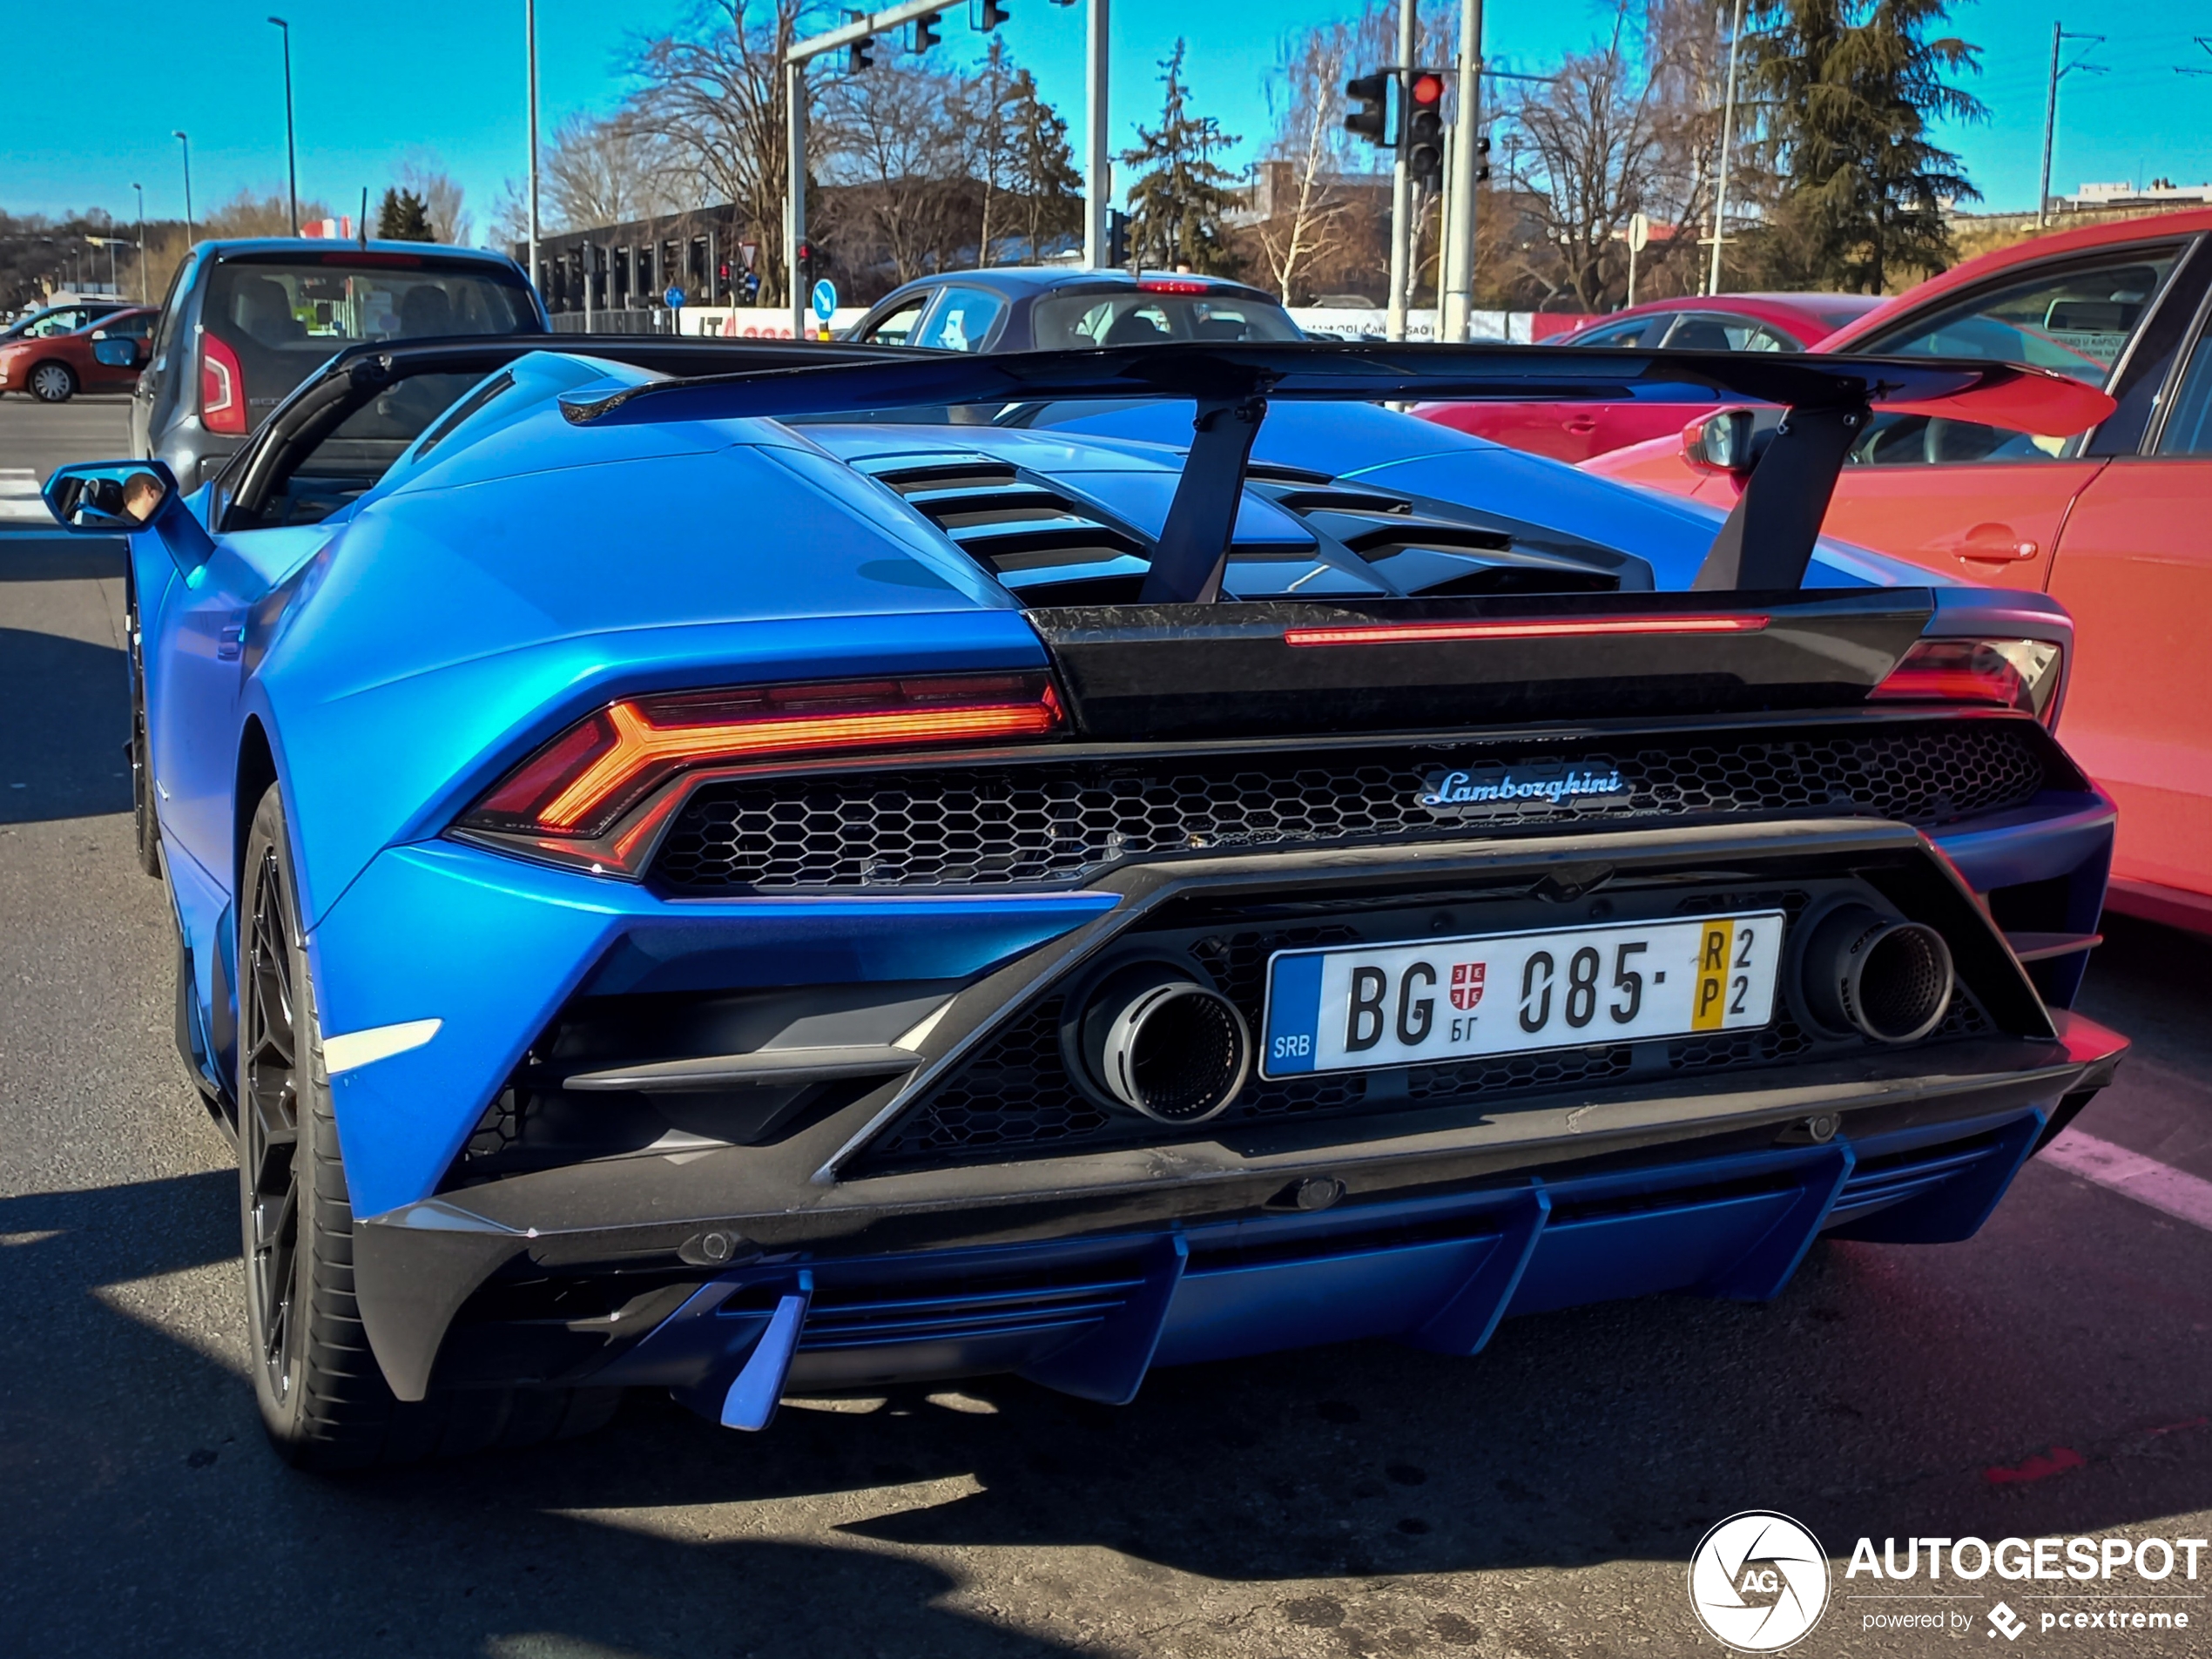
1770, 534
1193, 552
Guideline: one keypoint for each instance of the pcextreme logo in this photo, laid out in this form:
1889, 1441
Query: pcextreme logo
1758, 1581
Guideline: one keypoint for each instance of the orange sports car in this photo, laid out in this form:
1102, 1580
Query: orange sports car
2116, 522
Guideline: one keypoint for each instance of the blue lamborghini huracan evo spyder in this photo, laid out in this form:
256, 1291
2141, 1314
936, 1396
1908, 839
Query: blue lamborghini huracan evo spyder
745, 870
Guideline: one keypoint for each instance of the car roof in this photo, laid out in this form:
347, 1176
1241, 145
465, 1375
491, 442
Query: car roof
1814, 311
2118, 232
1020, 279
226, 248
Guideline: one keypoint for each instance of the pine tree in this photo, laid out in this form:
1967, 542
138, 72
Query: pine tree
1044, 166
402, 216
1177, 207
1850, 90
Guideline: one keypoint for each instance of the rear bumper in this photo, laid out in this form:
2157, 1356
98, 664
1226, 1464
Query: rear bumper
1201, 1251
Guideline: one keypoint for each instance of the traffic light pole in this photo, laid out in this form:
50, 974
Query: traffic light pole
795, 195
1457, 260
1401, 187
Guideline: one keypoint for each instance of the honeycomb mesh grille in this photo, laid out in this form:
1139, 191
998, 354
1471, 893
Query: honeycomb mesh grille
1056, 823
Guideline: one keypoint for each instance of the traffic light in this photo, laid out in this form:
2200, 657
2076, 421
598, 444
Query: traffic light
1421, 134
1116, 237
925, 35
859, 54
809, 265
1482, 158
986, 15
1371, 92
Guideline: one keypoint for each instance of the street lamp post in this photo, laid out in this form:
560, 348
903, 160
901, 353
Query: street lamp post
186, 141
529, 42
291, 163
141, 189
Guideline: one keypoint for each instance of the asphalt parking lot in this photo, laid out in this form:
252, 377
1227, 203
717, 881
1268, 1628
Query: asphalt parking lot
2050, 1376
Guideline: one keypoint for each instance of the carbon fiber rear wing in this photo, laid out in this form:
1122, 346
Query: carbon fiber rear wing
1766, 543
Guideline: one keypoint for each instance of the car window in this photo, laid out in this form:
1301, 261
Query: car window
2189, 429
278, 321
960, 319
347, 461
1142, 317
1713, 331
67, 321
1630, 332
898, 328
2074, 319
137, 327
166, 331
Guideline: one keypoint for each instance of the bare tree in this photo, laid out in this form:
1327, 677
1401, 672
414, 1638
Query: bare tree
902, 136
1304, 156
422, 171
1590, 141
713, 93
600, 172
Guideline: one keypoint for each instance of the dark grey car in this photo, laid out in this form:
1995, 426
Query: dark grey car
245, 321
1037, 308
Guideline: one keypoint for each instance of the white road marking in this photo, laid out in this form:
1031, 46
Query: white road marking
2168, 1190
19, 496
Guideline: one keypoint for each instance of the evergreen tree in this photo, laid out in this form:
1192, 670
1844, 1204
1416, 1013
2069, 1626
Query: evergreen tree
1178, 205
402, 216
1850, 90
1052, 191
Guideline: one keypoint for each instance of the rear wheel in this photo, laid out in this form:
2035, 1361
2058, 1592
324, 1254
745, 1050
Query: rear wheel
52, 384
323, 1399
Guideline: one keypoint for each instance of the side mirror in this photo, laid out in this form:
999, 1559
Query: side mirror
1730, 441
118, 351
105, 497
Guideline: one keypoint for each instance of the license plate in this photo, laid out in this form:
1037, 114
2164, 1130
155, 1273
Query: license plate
1355, 1007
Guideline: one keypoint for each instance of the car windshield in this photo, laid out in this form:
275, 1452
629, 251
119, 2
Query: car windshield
281, 320
1073, 321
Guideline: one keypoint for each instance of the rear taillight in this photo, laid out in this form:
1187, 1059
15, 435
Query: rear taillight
222, 388
2020, 674
588, 797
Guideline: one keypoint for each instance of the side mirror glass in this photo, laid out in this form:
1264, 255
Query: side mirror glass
117, 351
101, 497
1731, 440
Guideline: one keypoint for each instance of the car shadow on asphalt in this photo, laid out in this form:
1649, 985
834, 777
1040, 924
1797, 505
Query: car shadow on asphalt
1889, 1392
68, 716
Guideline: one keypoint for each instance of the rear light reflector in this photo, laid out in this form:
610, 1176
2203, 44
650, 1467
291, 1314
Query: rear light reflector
1419, 633
222, 388
579, 787
2020, 674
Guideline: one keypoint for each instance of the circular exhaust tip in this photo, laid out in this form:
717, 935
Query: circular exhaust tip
1863, 972
1164, 1045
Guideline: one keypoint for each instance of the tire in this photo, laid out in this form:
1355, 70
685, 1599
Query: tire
145, 816
324, 1402
52, 384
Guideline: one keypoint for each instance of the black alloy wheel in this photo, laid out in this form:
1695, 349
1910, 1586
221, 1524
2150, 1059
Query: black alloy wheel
323, 1398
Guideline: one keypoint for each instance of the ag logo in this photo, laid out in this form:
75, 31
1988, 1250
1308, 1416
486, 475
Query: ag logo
1758, 1581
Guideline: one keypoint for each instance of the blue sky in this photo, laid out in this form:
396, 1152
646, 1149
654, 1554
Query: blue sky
445, 77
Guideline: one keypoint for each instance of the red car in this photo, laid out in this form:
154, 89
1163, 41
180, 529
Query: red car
1726, 322
54, 366
2117, 523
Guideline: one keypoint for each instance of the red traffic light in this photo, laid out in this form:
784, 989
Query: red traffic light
1427, 90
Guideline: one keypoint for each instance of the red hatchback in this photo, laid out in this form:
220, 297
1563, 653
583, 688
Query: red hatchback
2116, 522
54, 367
1726, 322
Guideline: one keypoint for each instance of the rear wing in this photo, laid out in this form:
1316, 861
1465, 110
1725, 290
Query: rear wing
1767, 541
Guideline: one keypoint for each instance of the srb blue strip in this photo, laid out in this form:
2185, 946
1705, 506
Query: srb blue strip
1294, 1015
